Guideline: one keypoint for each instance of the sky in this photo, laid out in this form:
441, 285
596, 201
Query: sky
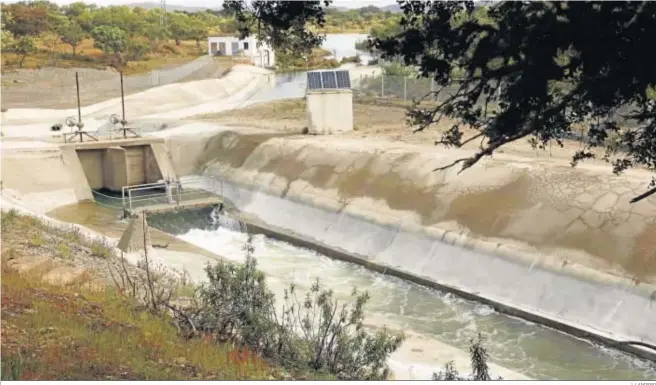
214, 3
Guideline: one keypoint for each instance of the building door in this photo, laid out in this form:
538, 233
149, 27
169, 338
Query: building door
213, 48
222, 49
266, 62
235, 48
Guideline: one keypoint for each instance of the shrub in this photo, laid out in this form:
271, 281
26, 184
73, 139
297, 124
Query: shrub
101, 249
351, 59
480, 369
317, 333
7, 218
37, 240
64, 251
13, 369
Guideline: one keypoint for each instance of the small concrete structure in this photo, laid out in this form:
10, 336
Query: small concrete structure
114, 164
133, 238
329, 110
260, 53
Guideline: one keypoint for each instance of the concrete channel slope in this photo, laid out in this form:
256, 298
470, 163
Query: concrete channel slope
176, 100
559, 243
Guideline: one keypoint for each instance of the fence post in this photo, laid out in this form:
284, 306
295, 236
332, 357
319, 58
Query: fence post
382, 85
432, 88
405, 88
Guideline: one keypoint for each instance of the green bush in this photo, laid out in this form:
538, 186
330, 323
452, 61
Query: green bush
101, 249
480, 370
317, 333
13, 369
7, 217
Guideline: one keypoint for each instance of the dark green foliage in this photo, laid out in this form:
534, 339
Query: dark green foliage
316, 333
23, 47
547, 67
109, 39
480, 369
282, 24
12, 370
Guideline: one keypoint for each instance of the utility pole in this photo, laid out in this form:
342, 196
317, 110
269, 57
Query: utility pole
162, 13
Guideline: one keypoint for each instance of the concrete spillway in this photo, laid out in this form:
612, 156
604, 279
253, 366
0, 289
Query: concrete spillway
524, 235
435, 322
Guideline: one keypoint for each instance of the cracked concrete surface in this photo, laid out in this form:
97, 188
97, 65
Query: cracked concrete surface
580, 215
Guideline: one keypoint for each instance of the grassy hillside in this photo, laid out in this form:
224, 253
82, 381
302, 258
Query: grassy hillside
87, 56
91, 332
37, 34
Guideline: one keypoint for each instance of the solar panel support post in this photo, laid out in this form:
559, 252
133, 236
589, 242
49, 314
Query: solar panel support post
382, 85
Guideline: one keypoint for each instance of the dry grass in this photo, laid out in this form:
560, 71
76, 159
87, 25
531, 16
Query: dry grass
374, 118
66, 333
60, 55
73, 333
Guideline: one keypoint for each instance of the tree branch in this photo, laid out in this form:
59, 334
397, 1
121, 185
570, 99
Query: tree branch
643, 195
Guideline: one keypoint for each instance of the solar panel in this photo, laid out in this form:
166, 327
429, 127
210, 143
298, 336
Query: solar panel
343, 79
329, 79
317, 80
314, 80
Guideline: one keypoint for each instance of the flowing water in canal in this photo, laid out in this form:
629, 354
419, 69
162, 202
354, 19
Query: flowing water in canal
424, 314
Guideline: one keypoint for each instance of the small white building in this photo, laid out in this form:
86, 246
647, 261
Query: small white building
261, 55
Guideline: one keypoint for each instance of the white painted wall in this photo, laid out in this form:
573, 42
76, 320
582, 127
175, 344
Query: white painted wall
330, 111
262, 56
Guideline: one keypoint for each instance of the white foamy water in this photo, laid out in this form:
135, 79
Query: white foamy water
438, 326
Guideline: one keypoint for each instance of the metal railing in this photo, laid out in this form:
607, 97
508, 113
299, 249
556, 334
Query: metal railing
175, 192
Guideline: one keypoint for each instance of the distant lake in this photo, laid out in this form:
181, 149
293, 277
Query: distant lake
343, 45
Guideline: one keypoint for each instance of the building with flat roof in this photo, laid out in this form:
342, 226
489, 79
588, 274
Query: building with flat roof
261, 55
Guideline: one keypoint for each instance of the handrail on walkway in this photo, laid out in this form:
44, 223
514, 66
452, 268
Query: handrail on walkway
127, 197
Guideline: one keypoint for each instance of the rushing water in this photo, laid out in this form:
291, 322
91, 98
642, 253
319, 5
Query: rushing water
426, 315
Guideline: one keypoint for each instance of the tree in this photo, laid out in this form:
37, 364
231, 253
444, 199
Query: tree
136, 50
537, 70
155, 33
121, 17
23, 47
179, 25
281, 24
72, 34
26, 20
109, 39
197, 31
6, 37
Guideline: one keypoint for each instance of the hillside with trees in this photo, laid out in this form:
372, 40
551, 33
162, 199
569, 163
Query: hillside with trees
41, 33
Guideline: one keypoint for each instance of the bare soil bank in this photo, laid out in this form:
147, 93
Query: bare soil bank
372, 119
53, 87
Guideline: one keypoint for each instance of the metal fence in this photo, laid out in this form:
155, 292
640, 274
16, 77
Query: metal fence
398, 87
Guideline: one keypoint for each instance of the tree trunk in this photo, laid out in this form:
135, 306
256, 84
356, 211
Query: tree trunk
197, 43
21, 60
74, 47
177, 42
